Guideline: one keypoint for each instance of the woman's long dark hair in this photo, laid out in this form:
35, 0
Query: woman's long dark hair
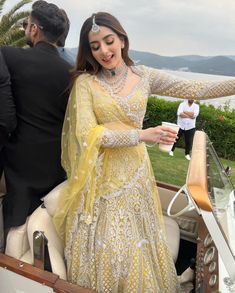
85, 61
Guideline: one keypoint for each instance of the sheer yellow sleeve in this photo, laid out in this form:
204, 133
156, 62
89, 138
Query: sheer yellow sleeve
120, 138
164, 84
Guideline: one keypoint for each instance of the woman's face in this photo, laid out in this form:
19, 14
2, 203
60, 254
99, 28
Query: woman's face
106, 47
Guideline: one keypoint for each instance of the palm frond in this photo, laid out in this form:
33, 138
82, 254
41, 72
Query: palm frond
11, 37
21, 42
2, 2
10, 27
9, 22
17, 7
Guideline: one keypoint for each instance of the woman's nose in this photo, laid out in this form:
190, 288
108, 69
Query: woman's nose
104, 48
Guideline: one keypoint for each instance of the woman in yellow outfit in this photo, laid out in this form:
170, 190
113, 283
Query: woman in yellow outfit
109, 213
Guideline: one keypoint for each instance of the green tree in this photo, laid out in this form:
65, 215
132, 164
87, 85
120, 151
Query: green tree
11, 32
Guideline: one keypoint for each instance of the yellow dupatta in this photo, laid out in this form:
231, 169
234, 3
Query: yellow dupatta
79, 155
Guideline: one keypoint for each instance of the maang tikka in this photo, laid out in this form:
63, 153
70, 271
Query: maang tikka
95, 27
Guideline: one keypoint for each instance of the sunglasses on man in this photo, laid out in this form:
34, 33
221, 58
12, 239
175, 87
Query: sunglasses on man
25, 24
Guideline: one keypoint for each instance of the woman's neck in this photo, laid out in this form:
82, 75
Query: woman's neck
115, 72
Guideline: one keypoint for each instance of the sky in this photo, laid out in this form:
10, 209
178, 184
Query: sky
165, 27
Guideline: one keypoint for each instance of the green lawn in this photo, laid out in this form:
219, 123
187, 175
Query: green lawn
173, 170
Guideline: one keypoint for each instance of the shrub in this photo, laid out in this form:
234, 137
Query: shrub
219, 124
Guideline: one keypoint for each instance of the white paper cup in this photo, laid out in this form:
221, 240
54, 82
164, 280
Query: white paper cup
167, 147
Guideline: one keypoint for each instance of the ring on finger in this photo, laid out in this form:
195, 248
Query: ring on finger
163, 133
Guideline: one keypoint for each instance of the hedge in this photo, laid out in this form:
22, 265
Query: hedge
219, 124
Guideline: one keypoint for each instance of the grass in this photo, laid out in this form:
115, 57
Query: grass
173, 170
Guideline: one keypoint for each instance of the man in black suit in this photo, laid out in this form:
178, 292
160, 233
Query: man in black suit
40, 81
7, 124
7, 108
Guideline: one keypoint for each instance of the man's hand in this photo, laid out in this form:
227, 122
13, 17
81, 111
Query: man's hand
187, 114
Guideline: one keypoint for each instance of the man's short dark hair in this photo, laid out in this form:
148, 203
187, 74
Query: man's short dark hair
61, 41
50, 18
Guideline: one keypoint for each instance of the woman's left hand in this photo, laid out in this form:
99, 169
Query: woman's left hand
167, 135
158, 134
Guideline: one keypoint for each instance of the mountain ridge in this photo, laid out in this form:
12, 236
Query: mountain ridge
218, 65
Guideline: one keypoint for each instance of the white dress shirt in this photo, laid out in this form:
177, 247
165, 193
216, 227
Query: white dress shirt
187, 123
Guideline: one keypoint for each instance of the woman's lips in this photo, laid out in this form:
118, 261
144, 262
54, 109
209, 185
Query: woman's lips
107, 60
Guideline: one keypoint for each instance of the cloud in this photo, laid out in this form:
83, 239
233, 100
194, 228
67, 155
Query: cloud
166, 27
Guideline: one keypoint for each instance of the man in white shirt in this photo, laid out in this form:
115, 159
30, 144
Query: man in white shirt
186, 119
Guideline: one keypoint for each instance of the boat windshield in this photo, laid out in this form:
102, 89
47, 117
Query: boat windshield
221, 194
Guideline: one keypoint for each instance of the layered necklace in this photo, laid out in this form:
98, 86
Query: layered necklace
115, 78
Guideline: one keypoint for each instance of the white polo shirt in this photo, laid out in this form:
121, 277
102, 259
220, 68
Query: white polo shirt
187, 123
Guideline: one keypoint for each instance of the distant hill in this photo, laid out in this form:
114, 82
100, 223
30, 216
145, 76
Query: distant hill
195, 57
219, 65
232, 57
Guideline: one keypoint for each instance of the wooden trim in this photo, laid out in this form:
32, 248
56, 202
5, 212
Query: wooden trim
27, 270
168, 186
197, 172
40, 276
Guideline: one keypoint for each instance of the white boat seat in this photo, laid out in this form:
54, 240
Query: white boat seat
40, 220
172, 236
172, 228
27, 257
17, 241
20, 239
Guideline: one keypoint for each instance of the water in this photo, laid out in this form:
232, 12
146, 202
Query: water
218, 102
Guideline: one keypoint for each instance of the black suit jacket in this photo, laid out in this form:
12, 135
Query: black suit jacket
7, 108
40, 81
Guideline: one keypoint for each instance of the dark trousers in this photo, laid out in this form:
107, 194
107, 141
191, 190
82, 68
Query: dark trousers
188, 138
1, 162
1, 216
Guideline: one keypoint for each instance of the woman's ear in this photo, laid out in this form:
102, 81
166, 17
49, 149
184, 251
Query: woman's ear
122, 42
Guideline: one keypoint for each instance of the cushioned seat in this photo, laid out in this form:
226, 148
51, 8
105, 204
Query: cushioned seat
172, 236
40, 220
17, 241
20, 239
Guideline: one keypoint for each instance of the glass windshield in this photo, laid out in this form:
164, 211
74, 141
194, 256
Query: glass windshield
221, 193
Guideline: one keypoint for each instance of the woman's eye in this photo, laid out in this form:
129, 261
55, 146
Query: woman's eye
94, 48
109, 42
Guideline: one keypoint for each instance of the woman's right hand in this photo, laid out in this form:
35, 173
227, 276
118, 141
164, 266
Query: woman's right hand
158, 134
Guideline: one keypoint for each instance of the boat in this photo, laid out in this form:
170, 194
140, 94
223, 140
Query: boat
199, 218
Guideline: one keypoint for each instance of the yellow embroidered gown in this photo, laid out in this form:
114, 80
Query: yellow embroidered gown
109, 213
